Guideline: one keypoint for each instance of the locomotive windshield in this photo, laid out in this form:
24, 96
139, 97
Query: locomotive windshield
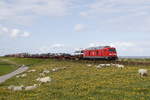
112, 50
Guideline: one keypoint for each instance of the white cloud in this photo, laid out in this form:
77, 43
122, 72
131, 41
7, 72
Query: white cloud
118, 44
28, 10
25, 34
119, 15
113, 6
57, 45
122, 44
13, 33
79, 27
84, 14
55, 48
4, 29
44, 49
113, 44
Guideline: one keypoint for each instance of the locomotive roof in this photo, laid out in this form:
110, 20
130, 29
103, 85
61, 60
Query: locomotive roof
99, 47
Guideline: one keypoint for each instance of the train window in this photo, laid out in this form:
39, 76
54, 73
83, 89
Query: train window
112, 50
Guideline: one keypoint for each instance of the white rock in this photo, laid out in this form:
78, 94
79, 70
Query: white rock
16, 88
102, 65
44, 79
23, 75
89, 65
33, 70
107, 65
18, 76
38, 79
98, 66
31, 87
119, 66
46, 71
55, 69
11, 87
143, 72
113, 64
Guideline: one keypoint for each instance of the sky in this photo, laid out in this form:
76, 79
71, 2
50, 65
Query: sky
42, 26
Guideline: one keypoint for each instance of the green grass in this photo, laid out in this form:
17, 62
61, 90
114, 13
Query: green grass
6, 67
136, 59
25, 61
79, 82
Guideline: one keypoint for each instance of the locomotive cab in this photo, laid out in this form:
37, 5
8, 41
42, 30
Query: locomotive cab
112, 53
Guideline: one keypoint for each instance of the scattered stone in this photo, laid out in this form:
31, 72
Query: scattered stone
143, 72
46, 71
16, 88
119, 66
109, 65
89, 65
33, 70
57, 69
21, 76
31, 87
44, 79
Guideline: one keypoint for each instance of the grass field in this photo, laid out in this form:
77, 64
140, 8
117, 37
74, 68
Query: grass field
78, 82
136, 59
6, 67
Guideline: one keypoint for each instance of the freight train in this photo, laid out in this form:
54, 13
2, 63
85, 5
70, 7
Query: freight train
92, 53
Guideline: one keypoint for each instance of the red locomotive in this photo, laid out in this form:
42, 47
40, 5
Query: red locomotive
101, 52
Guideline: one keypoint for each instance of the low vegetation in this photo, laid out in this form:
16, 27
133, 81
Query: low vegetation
136, 59
26, 61
6, 67
78, 81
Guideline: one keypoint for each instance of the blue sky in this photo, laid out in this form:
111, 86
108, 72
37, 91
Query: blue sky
40, 26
